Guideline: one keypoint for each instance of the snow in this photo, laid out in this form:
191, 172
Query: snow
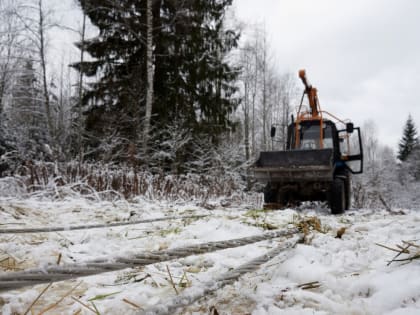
350, 273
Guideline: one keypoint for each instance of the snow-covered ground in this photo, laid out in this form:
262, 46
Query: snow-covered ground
349, 275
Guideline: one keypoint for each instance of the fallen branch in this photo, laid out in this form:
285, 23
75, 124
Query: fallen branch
402, 249
387, 207
417, 256
389, 248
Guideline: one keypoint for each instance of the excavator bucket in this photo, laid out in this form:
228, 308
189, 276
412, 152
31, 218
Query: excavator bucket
294, 166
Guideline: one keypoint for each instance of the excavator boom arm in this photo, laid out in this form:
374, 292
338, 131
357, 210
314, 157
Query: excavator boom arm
312, 94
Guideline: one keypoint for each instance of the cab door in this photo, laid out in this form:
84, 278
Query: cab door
351, 150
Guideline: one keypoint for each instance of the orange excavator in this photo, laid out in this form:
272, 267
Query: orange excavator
322, 152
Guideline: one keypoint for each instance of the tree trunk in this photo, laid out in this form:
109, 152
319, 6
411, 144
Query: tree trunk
264, 92
246, 132
80, 87
150, 76
42, 56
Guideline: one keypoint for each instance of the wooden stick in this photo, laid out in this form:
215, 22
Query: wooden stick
409, 258
38, 297
309, 285
312, 286
132, 303
411, 244
381, 199
83, 304
306, 284
390, 248
172, 280
404, 249
59, 259
396, 256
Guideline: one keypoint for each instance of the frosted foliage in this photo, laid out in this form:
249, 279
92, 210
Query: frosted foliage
387, 179
12, 187
109, 182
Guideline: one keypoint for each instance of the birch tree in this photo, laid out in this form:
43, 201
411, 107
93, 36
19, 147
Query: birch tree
150, 76
267, 95
79, 106
246, 61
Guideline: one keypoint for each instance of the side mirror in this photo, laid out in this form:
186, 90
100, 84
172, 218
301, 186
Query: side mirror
349, 127
273, 132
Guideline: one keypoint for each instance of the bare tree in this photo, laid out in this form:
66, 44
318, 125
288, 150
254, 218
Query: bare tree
267, 95
36, 21
287, 97
80, 126
62, 101
254, 86
263, 65
370, 146
11, 48
246, 61
42, 42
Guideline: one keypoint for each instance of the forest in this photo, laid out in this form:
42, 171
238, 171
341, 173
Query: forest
177, 89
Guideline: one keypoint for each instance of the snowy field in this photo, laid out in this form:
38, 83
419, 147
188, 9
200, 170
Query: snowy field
327, 274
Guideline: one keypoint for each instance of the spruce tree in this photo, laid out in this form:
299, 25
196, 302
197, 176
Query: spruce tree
193, 83
409, 140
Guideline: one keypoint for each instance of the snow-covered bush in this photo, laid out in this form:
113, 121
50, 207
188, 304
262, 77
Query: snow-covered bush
12, 187
110, 181
387, 183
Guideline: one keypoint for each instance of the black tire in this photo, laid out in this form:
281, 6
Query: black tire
347, 183
338, 196
270, 195
284, 198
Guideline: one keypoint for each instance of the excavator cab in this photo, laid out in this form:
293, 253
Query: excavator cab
346, 143
310, 136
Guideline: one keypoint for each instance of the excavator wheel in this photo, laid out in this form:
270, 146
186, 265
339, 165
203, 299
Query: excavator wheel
270, 195
347, 183
338, 196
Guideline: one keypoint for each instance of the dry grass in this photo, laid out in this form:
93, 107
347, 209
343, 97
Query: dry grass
308, 224
102, 181
410, 249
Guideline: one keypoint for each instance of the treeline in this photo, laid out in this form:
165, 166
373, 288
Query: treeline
389, 181
165, 84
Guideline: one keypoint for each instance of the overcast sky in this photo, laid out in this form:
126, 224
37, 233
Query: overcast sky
363, 56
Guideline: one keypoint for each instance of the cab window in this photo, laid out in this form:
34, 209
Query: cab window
310, 137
